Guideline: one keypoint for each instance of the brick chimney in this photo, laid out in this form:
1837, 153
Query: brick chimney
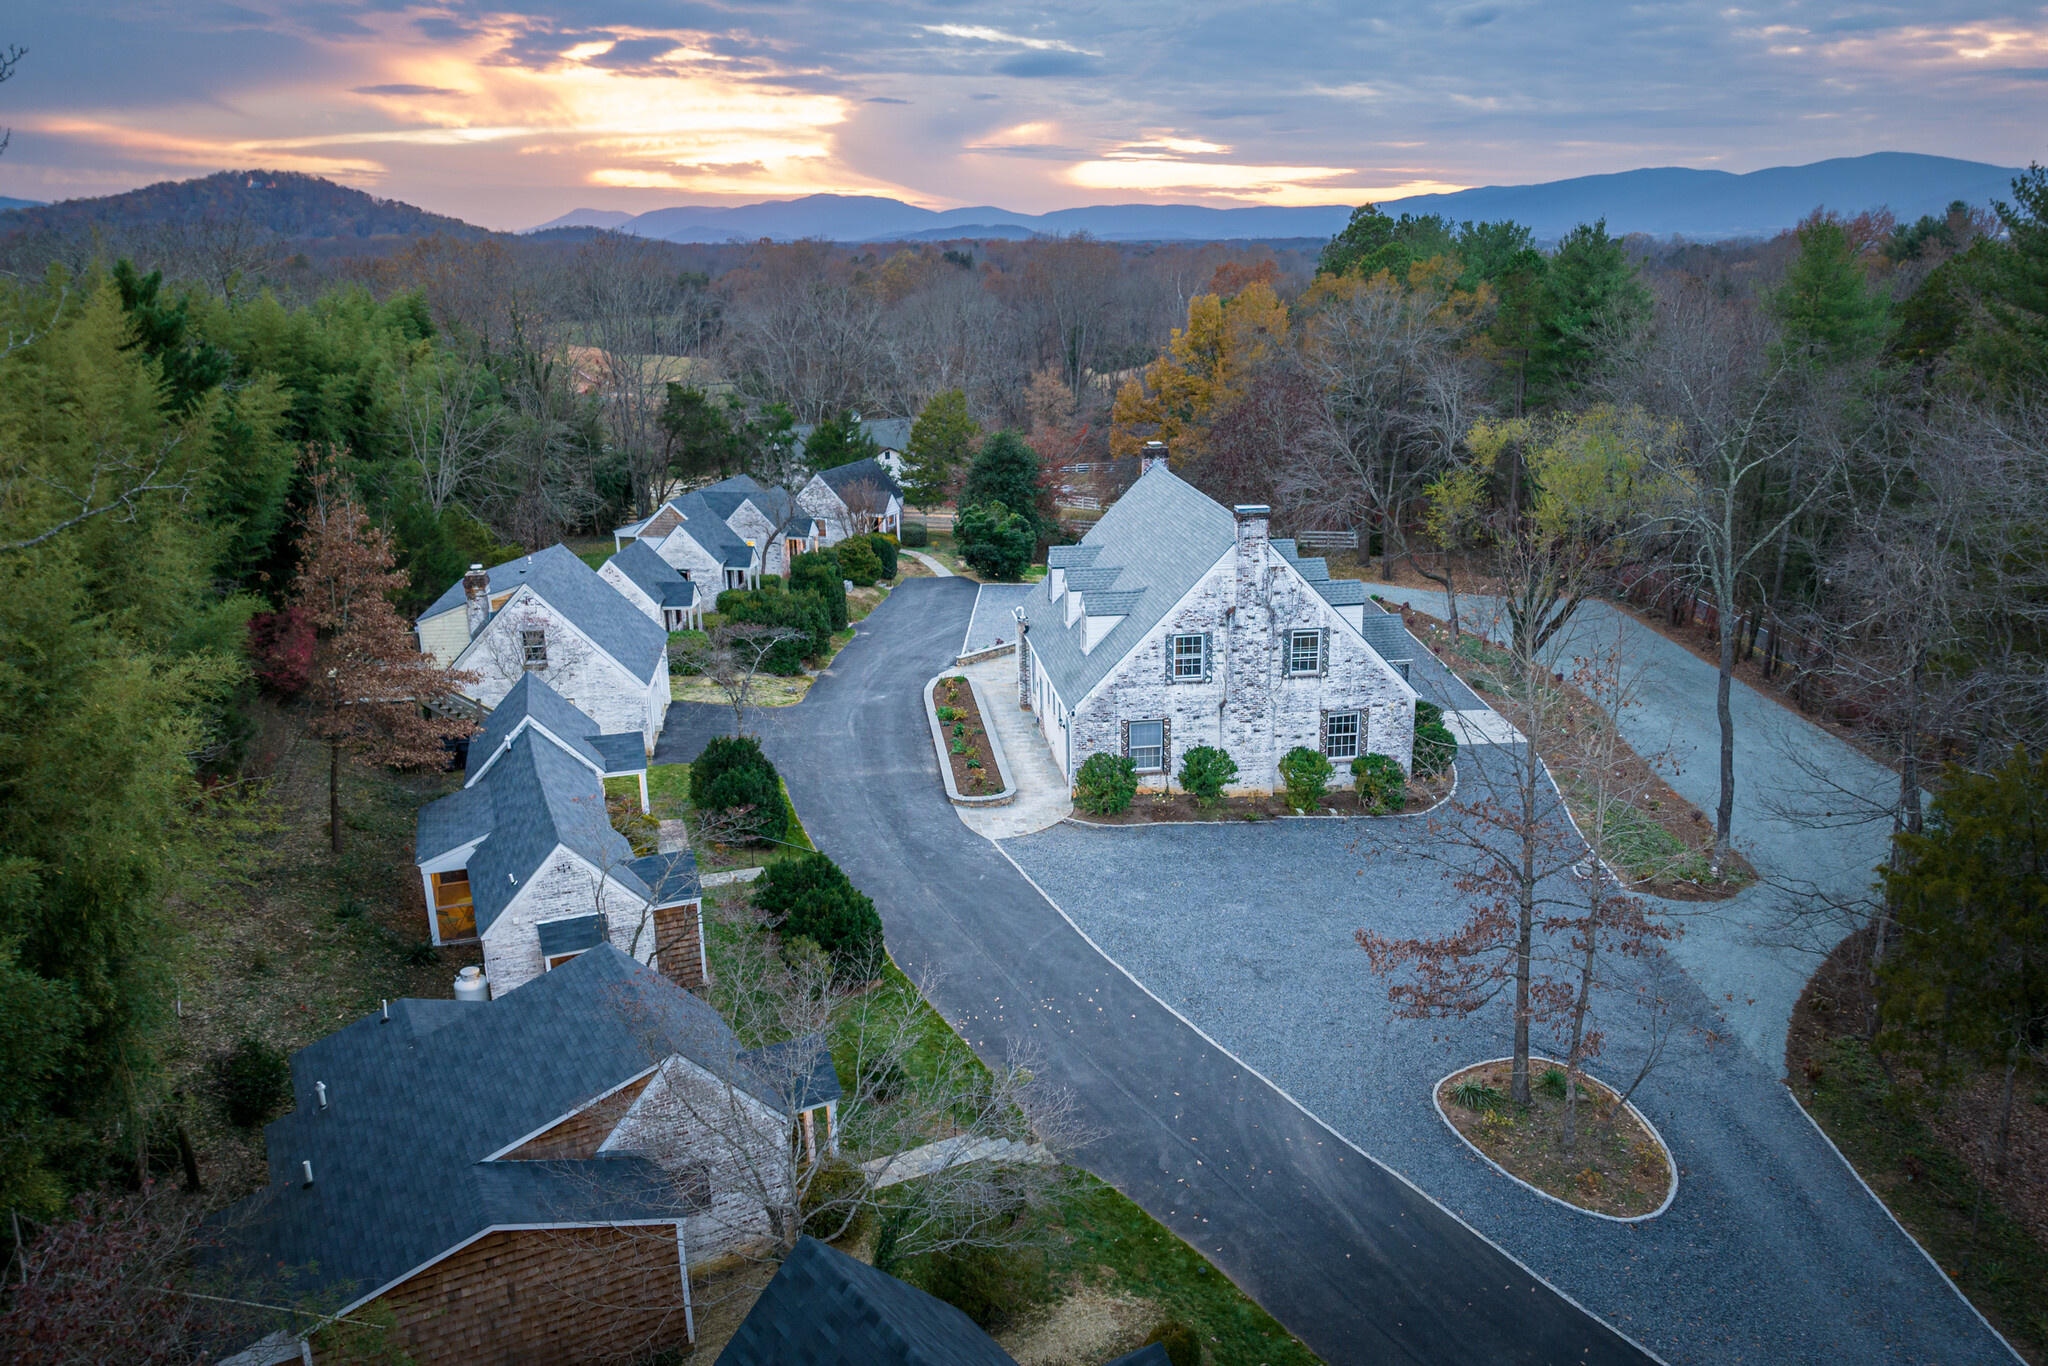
476, 594
1253, 538
1151, 457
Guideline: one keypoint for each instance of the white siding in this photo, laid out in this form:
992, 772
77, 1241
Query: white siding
444, 637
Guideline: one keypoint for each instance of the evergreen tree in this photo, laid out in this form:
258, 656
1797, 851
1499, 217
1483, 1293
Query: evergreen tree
698, 433
1592, 299
1826, 305
1006, 472
839, 440
941, 441
2009, 352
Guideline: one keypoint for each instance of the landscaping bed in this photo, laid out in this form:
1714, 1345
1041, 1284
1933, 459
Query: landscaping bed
1929, 1160
1148, 808
968, 749
1663, 841
1616, 1167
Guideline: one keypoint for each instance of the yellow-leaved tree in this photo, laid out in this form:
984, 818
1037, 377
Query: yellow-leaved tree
1206, 368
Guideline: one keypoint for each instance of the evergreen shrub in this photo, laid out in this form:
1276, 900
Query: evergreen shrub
1382, 787
1205, 771
1307, 774
819, 902
1105, 784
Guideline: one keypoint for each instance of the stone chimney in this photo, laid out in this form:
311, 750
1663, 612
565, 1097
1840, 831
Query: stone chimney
1151, 457
476, 594
1253, 538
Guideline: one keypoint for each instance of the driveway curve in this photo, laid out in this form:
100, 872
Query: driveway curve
1348, 1256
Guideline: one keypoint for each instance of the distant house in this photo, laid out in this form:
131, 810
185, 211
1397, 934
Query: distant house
553, 615
854, 500
825, 1308
891, 436
763, 518
530, 1179
654, 586
524, 859
1177, 622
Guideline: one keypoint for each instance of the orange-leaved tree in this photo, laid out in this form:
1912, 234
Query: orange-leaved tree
370, 685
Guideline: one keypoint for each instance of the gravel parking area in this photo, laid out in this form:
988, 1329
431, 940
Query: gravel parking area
1772, 1250
992, 622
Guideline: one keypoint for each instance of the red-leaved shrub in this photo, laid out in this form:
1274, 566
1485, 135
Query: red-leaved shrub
281, 649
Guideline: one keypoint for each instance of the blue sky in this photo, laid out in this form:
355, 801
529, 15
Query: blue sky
511, 113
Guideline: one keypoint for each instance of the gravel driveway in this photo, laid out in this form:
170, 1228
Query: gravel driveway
1771, 1252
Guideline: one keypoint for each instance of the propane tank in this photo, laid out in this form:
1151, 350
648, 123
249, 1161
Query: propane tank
472, 985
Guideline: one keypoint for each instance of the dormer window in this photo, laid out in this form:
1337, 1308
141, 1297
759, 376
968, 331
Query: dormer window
533, 647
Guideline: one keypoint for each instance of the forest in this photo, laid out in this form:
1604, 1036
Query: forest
1830, 448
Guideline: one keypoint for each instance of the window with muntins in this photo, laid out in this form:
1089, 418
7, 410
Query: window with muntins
534, 646
1190, 656
1304, 653
1148, 746
1340, 735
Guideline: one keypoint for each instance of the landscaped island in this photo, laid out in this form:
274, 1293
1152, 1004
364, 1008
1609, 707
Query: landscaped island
1616, 1164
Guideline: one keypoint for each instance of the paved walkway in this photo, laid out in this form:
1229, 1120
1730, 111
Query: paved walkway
1043, 798
929, 563
1749, 954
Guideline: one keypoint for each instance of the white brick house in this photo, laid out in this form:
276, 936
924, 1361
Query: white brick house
553, 615
654, 586
1177, 622
853, 500
727, 535
524, 861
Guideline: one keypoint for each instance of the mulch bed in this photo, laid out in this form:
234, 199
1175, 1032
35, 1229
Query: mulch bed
974, 761
1615, 1167
1685, 823
1151, 807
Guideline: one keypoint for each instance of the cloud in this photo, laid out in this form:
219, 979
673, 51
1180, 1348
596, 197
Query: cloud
404, 89
883, 99
1034, 64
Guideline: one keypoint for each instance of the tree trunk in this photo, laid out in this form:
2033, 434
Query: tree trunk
2004, 1145
1518, 1084
1575, 1054
1724, 814
334, 795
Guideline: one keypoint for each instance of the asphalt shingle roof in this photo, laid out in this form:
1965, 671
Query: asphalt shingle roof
671, 878
572, 935
650, 573
824, 1308
871, 471
533, 800
416, 1105
801, 1067
623, 753
704, 524
890, 433
533, 702
1149, 549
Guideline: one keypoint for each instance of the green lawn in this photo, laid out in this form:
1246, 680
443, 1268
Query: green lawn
668, 797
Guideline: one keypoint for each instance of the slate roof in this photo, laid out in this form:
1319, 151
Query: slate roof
824, 1308
657, 578
623, 753
671, 878
705, 525
1336, 592
532, 801
804, 1064
415, 1105
1149, 549
872, 471
587, 602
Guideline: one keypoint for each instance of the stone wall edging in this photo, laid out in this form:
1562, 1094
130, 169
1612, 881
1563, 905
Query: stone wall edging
995, 745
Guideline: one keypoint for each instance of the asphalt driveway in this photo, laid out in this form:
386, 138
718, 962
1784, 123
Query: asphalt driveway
1347, 1255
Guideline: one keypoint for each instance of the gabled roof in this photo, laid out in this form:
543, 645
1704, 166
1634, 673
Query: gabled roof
671, 878
869, 471
504, 578
705, 525
1316, 570
801, 1067
824, 1308
587, 603
652, 575
532, 801
1152, 545
532, 703
417, 1104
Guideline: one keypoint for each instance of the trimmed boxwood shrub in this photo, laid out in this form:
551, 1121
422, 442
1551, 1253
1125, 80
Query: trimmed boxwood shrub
1105, 784
818, 902
915, 536
885, 553
1382, 787
253, 1081
1307, 774
858, 561
1436, 749
1205, 771
722, 753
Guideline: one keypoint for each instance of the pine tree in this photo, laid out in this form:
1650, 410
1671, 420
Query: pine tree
941, 441
1592, 298
370, 683
1826, 305
1005, 472
839, 440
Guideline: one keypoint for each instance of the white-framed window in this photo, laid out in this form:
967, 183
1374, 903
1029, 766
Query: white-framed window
533, 648
1190, 654
1304, 653
1148, 745
1341, 734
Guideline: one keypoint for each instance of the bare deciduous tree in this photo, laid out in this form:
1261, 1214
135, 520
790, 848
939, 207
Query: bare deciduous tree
732, 658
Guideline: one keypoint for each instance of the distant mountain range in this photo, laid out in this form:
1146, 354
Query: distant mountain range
288, 203
6, 203
1705, 205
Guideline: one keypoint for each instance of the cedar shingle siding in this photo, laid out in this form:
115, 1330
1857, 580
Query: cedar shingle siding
545, 1297
581, 1134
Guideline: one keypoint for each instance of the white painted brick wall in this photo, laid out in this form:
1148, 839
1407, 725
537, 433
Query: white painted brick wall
631, 591
565, 886
577, 669
1248, 707
683, 553
818, 499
